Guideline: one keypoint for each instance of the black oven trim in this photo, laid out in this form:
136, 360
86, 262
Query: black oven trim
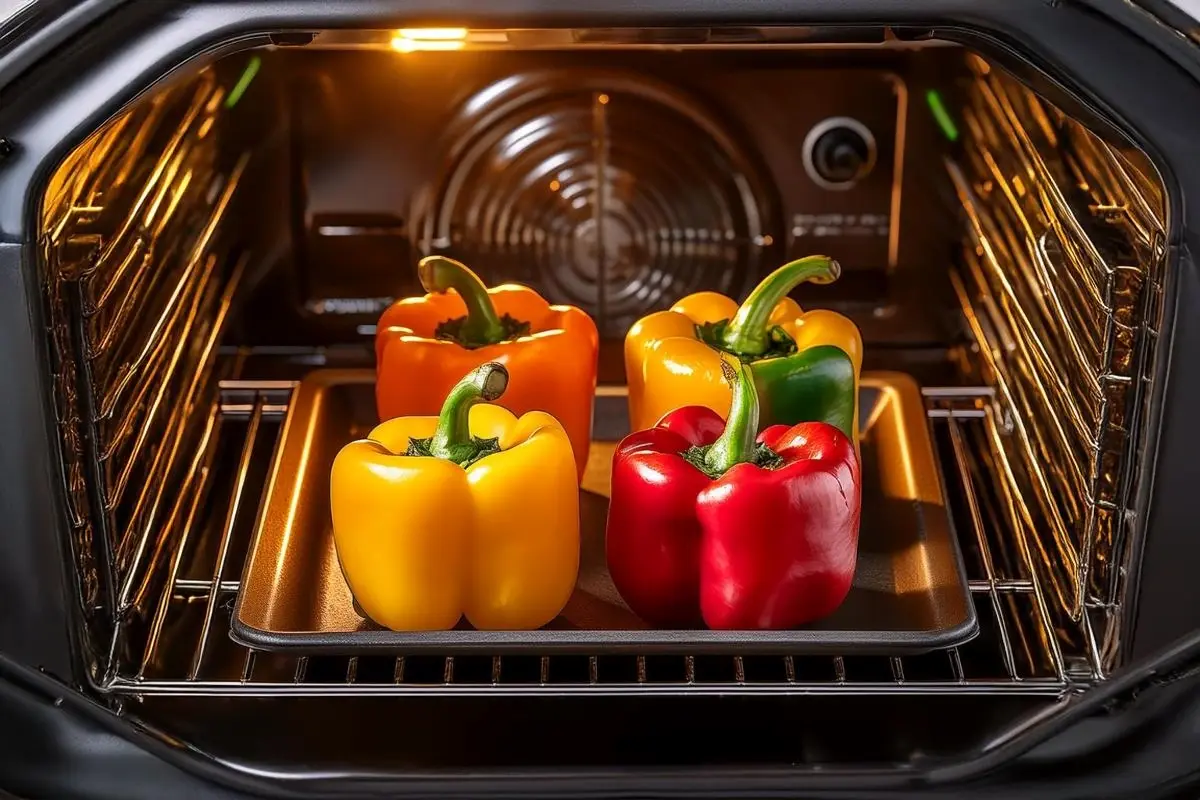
49, 104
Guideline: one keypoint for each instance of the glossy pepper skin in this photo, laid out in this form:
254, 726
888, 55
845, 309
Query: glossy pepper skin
423, 345
806, 364
708, 523
474, 512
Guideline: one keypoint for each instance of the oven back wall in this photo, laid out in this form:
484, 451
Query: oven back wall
613, 181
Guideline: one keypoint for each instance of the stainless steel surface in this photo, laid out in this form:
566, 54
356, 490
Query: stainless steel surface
909, 593
1016, 652
1061, 292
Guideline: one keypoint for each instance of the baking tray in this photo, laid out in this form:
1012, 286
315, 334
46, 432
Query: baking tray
909, 595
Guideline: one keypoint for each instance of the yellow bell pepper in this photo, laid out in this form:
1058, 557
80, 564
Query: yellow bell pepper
805, 364
472, 512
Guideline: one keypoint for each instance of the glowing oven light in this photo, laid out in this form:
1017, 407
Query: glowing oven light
433, 34
409, 40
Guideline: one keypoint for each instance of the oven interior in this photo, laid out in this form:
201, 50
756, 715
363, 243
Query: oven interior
246, 222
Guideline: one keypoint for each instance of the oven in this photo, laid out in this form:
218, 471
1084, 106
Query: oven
204, 204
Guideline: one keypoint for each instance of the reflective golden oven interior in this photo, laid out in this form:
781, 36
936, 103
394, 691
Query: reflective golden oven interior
173, 237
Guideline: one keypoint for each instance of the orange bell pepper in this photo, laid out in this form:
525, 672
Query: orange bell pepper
424, 345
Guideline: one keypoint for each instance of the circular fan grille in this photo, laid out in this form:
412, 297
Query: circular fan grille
601, 192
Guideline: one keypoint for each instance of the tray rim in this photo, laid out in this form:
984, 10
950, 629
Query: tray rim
587, 641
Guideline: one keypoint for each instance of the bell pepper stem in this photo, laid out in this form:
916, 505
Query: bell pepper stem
439, 274
748, 333
453, 435
736, 444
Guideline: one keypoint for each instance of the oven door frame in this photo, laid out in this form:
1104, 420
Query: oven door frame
51, 104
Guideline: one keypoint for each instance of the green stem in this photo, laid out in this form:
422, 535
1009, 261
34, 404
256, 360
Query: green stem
452, 439
736, 444
748, 334
439, 274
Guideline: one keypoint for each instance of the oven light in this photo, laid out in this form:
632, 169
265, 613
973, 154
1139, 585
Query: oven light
433, 34
412, 45
409, 40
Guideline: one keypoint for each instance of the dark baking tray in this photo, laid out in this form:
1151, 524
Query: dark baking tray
909, 595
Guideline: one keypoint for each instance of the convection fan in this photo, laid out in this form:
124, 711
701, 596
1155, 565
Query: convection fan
607, 191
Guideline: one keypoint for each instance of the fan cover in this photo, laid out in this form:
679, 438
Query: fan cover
608, 192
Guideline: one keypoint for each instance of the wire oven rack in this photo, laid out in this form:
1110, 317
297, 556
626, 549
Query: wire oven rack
1060, 287
139, 287
1026, 646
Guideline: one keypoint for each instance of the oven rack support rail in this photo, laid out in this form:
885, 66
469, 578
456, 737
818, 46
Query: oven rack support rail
1026, 646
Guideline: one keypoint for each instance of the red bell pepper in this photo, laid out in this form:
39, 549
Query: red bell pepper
708, 523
